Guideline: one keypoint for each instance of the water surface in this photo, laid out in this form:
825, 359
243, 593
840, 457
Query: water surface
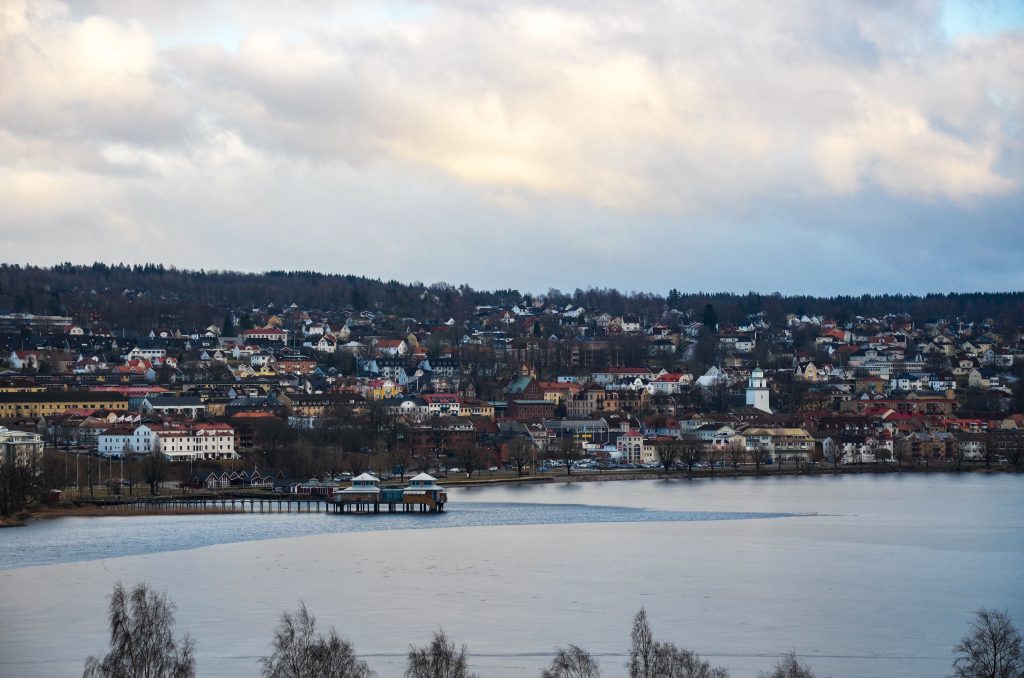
873, 576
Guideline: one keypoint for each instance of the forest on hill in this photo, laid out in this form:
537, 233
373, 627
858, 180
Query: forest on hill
152, 294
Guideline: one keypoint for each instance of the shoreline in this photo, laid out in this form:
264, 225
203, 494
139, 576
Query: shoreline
708, 474
100, 509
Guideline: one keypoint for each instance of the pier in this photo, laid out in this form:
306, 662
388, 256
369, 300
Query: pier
422, 495
283, 504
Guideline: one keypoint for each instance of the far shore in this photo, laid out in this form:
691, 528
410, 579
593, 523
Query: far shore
100, 507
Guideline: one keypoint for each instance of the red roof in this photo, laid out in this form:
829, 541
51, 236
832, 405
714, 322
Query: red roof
440, 397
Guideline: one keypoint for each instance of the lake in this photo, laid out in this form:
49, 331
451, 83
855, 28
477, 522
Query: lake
861, 575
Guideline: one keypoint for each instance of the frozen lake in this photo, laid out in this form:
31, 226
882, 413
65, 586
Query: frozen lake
861, 575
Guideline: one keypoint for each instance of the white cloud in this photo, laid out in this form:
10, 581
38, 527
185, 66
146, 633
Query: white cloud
660, 120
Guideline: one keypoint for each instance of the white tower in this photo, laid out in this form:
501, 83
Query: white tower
757, 391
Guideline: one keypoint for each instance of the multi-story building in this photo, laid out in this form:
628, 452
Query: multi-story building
177, 443
782, 444
48, 403
20, 448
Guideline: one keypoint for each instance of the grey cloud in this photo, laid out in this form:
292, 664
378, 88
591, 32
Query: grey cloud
479, 142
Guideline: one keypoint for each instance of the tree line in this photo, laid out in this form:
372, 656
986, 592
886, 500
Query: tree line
142, 644
150, 294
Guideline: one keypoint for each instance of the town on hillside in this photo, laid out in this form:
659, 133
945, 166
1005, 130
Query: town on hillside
285, 393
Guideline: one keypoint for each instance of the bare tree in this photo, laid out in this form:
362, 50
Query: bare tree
154, 469
300, 652
837, 456
141, 639
675, 662
439, 659
649, 658
713, 454
691, 452
641, 651
789, 666
901, 451
736, 452
520, 449
471, 458
88, 476
402, 453
572, 662
22, 478
760, 455
993, 649
565, 452
1015, 450
668, 454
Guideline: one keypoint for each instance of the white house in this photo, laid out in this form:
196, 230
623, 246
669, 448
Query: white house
715, 376
177, 443
149, 354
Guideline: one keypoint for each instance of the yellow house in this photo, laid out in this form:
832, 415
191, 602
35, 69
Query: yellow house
383, 388
474, 407
265, 370
49, 403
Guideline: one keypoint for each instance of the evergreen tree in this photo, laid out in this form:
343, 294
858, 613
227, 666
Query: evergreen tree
710, 318
228, 329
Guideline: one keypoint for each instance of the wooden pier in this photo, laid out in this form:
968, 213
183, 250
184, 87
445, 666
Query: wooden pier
365, 496
285, 504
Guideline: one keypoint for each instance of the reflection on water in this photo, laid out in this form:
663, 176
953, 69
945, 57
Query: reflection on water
75, 539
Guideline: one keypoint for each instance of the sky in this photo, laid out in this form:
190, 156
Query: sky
796, 146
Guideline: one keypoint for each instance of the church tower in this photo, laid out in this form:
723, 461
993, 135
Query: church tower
757, 391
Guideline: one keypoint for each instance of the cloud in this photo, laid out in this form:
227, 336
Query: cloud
659, 122
589, 106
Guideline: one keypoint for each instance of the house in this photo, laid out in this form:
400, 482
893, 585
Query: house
20, 448
558, 392
856, 449
266, 334
782, 444
49, 403
410, 409
201, 441
630, 324
148, 353
442, 404
475, 407
715, 376
806, 371
586, 402
613, 374
524, 388
24, 360
636, 448
179, 406
738, 343
325, 343
523, 410
392, 348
